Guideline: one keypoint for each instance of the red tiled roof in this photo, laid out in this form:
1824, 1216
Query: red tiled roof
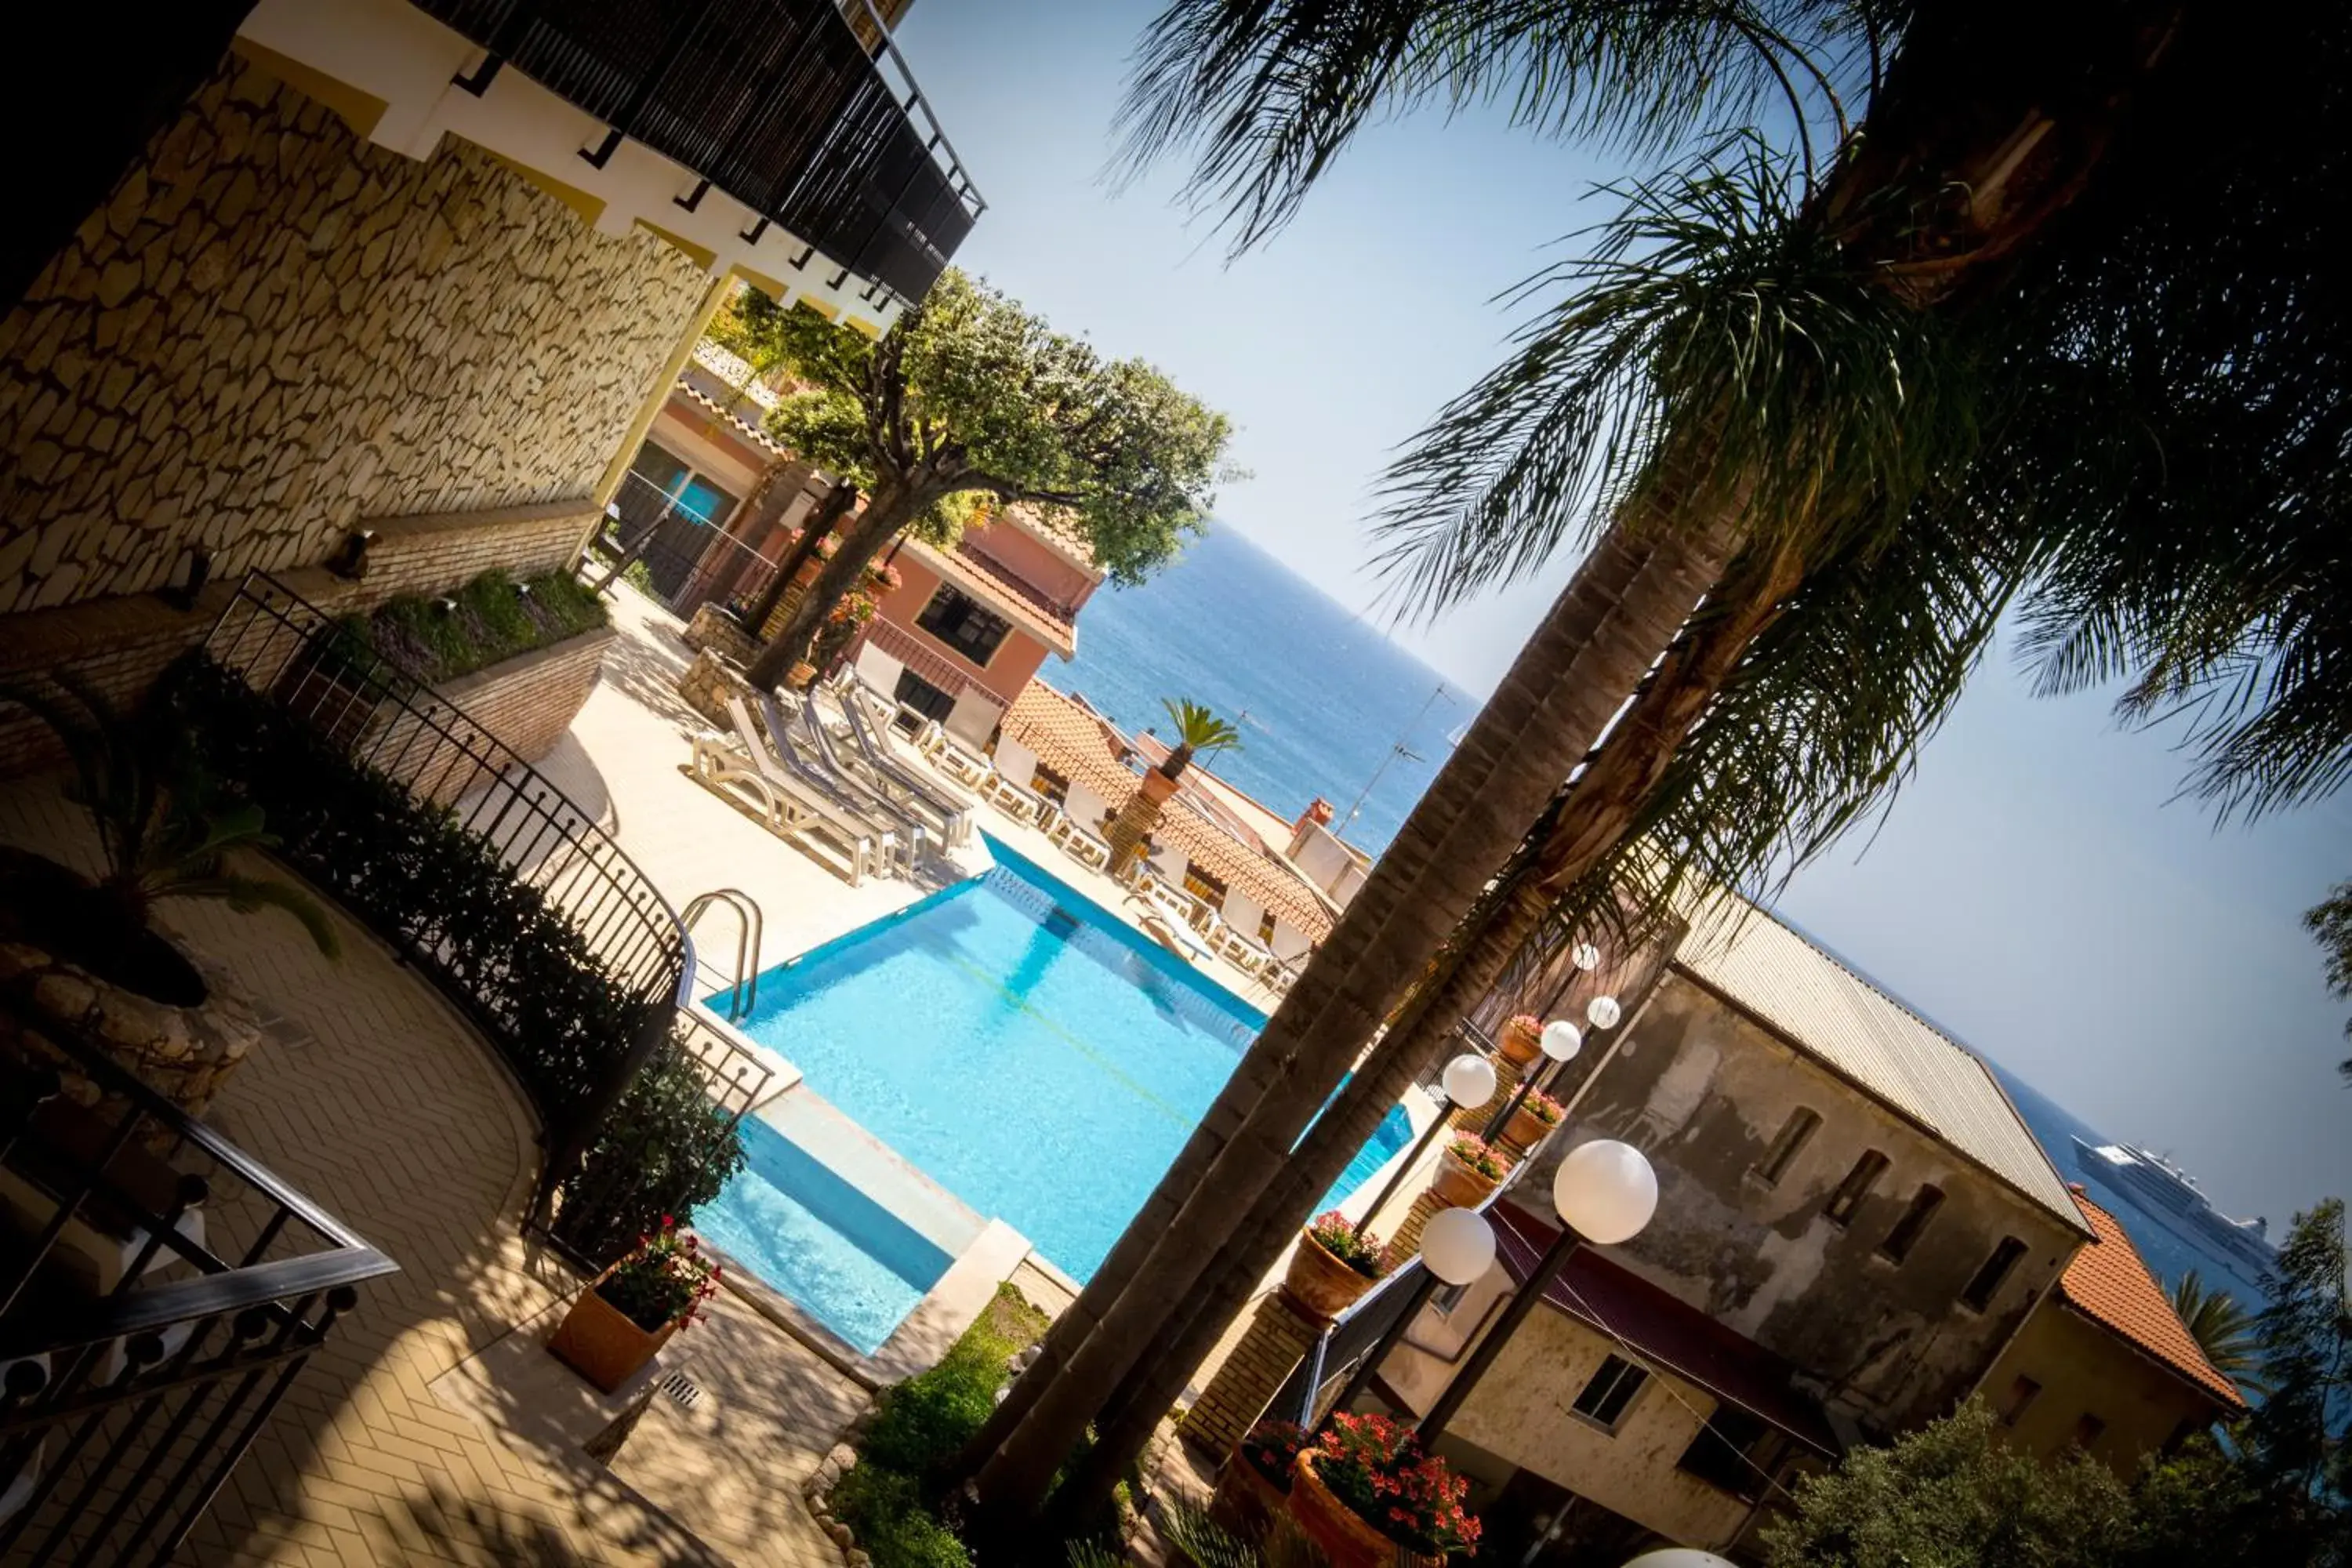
1666, 1331
2108, 1283
1080, 745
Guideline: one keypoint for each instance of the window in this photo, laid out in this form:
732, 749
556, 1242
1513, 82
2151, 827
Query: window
1265, 927
1612, 1388
1203, 886
1050, 786
964, 624
1924, 1204
1840, 1209
1794, 1134
2087, 1430
1987, 1284
923, 697
2020, 1398
1720, 1456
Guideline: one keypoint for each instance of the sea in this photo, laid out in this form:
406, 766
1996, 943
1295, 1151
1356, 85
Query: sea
1328, 706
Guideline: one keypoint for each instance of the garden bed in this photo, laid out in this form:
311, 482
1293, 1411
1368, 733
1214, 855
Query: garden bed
435, 639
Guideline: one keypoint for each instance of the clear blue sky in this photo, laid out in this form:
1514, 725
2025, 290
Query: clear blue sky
2032, 891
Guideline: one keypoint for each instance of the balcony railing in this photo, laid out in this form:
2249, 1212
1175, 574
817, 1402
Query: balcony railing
160, 1290
775, 102
1010, 578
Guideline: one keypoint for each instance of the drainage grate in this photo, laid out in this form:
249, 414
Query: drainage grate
681, 1390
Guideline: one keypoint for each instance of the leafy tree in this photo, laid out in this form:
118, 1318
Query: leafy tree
1199, 733
970, 400
1953, 1496
2298, 1441
2223, 1330
2330, 924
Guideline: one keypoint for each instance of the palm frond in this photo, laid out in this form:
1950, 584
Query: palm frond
1262, 95
1198, 730
1711, 350
248, 894
2226, 1331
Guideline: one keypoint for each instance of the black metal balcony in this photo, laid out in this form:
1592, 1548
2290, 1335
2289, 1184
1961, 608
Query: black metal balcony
775, 102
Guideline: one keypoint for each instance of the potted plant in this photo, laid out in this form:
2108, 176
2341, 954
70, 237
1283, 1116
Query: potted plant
1254, 1488
1538, 1114
1367, 1494
1334, 1264
96, 963
632, 1308
1522, 1040
1467, 1170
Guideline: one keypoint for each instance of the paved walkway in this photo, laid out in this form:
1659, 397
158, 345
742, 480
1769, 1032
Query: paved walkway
376, 1099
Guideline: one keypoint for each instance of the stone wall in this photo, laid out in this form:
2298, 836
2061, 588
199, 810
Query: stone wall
272, 331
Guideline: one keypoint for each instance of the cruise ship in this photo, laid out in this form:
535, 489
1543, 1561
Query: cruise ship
2170, 1196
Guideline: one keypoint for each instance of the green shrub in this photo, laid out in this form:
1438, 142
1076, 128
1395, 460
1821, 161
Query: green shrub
435, 639
886, 1511
926, 1419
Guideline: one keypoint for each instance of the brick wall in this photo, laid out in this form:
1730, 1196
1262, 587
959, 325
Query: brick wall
120, 645
1279, 1335
526, 702
272, 329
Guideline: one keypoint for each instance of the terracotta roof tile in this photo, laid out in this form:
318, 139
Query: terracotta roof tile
1085, 748
2109, 1284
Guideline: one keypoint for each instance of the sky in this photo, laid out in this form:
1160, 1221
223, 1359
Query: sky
2035, 890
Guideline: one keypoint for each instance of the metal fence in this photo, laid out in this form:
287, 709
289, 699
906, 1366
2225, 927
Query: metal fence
776, 102
171, 1290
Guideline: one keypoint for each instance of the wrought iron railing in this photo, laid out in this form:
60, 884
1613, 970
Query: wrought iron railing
776, 102
163, 1289
658, 542
388, 725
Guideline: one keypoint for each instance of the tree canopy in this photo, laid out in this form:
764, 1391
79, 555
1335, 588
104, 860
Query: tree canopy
973, 397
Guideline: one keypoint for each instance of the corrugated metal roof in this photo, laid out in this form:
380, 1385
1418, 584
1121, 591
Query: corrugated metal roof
1872, 1039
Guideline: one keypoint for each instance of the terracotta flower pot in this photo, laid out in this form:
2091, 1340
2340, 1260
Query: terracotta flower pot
1520, 1044
1458, 1186
1247, 1503
1318, 1281
600, 1343
1525, 1129
1347, 1540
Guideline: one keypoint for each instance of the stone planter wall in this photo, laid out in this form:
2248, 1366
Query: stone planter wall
713, 631
526, 702
707, 684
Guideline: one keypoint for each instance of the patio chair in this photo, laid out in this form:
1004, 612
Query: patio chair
1079, 845
1016, 801
742, 769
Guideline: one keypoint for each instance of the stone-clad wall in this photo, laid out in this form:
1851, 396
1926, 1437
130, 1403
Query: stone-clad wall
272, 329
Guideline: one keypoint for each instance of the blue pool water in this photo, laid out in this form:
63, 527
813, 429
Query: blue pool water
830, 1249
1032, 1054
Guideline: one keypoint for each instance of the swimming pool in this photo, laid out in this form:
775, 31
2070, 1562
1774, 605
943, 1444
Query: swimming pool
797, 1225
1031, 1053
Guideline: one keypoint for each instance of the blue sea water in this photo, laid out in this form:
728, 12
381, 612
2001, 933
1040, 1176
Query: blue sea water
1323, 694
1319, 695
1029, 1051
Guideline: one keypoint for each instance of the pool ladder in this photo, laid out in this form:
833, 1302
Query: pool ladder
748, 930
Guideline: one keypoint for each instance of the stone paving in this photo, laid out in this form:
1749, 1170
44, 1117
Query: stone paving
378, 1101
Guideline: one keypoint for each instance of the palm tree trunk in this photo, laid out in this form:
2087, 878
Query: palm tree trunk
892, 508
1605, 804
1592, 649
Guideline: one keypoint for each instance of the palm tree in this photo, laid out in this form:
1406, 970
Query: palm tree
1199, 734
1899, 376
2223, 1330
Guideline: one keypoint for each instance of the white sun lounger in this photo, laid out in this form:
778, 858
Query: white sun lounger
743, 768
1079, 845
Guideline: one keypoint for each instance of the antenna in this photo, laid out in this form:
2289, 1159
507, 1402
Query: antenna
1396, 749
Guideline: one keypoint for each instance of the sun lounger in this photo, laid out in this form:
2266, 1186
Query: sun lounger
1016, 801
874, 794
743, 768
955, 811
1079, 845
898, 847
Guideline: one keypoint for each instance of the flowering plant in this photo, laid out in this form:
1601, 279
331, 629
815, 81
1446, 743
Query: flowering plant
1525, 1023
1478, 1154
1543, 1108
663, 1282
1348, 1242
882, 579
1376, 1466
1272, 1448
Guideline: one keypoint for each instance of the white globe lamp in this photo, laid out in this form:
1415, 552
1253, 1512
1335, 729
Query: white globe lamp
1561, 1040
1602, 1012
1679, 1557
1469, 1080
1585, 956
1605, 1191
1458, 1246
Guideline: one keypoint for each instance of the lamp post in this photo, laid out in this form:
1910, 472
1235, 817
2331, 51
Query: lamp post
1468, 1080
1457, 1247
1605, 1192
